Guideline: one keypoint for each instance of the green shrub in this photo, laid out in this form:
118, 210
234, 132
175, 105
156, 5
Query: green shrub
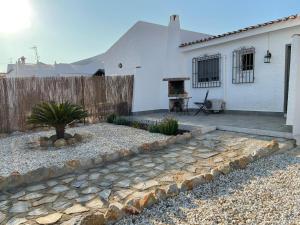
57, 115
136, 124
168, 126
111, 118
153, 128
121, 121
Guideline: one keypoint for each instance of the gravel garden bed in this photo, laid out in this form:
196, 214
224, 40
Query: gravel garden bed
19, 153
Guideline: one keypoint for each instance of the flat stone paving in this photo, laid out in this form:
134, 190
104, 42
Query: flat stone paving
65, 197
250, 121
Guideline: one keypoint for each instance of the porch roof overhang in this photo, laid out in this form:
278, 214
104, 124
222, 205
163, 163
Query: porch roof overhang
176, 79
245, 33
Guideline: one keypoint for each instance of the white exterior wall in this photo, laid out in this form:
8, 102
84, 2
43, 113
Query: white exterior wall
267, 91
144, 46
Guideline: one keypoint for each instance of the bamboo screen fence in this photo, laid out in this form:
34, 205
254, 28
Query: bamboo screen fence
99, 95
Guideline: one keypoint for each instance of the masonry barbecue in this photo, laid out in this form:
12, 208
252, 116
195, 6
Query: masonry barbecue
178, 97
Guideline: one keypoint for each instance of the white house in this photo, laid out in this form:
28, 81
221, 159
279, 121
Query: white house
253, 69
39, 69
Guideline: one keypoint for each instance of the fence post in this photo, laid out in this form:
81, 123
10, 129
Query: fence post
82, 100
6, 104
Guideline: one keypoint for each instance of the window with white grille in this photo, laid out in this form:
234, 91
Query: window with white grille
243, 61
206, 71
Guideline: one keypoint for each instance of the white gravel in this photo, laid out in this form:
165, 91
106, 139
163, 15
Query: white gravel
16, 154
267, 192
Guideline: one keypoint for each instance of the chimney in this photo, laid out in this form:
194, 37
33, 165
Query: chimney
173, 67
23, 59
174, 21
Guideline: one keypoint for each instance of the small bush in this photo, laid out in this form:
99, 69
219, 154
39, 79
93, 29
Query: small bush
121, 121
154, 128
136, 124
168, 126
111, 118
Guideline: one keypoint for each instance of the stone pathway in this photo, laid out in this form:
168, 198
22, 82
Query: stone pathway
62, 199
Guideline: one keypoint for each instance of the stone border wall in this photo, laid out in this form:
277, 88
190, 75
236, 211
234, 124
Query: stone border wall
135, 205
16, 179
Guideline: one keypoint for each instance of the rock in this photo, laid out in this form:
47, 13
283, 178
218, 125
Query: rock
160, 194
31, 196
95, 204
78, 137
148, 200
218, 160
74, 221
53, 138
120, 195
20, 207
191, 183
60, 143
146, 147
16, 221
208, 177
85, 198
105, 194
133, 202
68, 180
114, 212
71, 141
146, 185
36, 188
125, 152
17, 195
123, 183
68, 136
48, 199
76, 209
2, 217
73, 163
71, 195
215, 172
90, 190
224, 169
93, 219
61, 205
243, 162
172, 190
52, 183
45, 142
94, 176
58, 189
49, 219
273, 145
38, 212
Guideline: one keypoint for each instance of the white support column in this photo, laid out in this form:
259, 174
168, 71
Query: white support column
293, 114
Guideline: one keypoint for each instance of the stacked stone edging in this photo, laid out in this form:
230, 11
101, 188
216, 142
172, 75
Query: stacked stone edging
15, 179
135, 205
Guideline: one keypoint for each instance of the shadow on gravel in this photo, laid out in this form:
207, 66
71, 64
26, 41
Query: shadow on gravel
173, 209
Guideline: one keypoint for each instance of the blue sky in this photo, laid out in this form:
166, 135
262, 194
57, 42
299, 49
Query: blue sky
70, 30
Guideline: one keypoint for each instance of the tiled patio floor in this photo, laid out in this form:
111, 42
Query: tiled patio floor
94, 189
249, 121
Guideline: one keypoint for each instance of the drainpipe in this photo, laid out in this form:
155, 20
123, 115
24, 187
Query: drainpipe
293, 114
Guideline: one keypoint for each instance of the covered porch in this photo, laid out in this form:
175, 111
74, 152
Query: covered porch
250, 123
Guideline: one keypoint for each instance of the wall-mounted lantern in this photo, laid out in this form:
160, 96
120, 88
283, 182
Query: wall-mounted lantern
268, 56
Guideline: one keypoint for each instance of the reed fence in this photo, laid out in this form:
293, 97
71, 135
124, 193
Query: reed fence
99, 96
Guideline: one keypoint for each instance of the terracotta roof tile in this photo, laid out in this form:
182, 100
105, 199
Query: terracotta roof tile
240, 30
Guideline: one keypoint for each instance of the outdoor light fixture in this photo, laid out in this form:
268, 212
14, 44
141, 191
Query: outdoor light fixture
268, 56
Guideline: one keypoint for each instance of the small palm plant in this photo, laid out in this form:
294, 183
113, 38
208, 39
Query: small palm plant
57, 115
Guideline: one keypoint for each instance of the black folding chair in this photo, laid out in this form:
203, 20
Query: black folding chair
204, 106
